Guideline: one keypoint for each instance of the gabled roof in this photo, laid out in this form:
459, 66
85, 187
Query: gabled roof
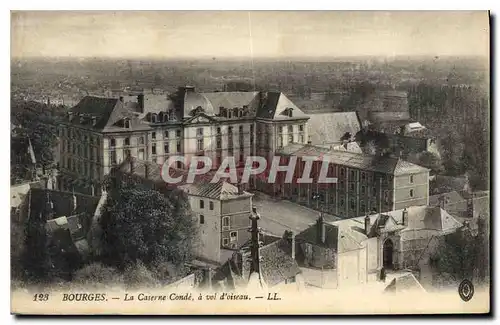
220, 190
274, 105
108, 112
381, 164
234, 99
329, 128
335, 238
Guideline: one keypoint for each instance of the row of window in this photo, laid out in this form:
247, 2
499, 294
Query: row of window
140, 140
290, 129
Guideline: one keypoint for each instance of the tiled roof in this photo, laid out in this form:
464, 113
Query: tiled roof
381, 164
220, 190
277, 263
331, 127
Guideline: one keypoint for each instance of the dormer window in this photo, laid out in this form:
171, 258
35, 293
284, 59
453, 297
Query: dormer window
288, 112
229, 115
154, 118
126, 123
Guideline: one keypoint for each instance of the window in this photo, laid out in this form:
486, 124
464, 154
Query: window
225, 241
141, 140
290, 129
166, 135
127, 124
199, 132
363, 176
179, 164
127, 141
233, 235
290, 138
202, 219
362, 206
280, 129
202, 204
166, 147
200, 144
218, 131
351, 187
153, 149
230, 130
363, 189
353, 204
353, 174
153, 135
178, 146
411, 193
251, 128
219, 143
411, 179
126, 153
112, 157
341, 203
301, 139
141, 154
112, 142
301, 128
153, 118
241, 129
225, 221
374, 191
342, 171
211, 205
178, 133
280, 141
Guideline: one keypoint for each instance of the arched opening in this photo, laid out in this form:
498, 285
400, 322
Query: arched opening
388, 254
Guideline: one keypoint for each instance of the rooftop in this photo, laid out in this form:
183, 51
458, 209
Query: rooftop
220, 190
329, 128
361, 161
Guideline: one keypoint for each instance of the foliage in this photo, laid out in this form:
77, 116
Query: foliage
139, 276
35, 121
97, 274
142, 225
461, 254
428, 160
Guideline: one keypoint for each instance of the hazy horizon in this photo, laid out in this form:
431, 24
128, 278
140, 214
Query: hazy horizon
233, 35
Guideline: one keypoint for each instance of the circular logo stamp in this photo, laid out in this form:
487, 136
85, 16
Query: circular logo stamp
466, 290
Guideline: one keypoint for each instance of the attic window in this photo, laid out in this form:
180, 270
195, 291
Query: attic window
165, 117
127, 124
289, 112
153, 118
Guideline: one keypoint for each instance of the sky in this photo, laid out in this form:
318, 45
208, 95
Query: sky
179, 34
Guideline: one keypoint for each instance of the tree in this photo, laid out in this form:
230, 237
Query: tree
428, 160
36, 122
142, 225
459, 254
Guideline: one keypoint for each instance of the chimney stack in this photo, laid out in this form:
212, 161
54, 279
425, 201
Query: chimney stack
140, 103
367, 225
405, 217
321, 229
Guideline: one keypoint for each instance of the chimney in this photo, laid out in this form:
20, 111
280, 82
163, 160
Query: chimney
140, 103
70, 115
405, 217
367, 225
320, 224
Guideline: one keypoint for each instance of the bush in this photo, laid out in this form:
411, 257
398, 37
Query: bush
97, 274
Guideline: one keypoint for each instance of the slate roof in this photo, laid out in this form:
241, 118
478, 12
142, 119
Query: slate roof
276, 265
234, 99
423, 222
62, 202
329, 128
274, 105
108, 112
96, 106
335, 238
221, 190
387, 165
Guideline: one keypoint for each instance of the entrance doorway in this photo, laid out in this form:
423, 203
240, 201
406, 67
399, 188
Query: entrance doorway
388, 254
